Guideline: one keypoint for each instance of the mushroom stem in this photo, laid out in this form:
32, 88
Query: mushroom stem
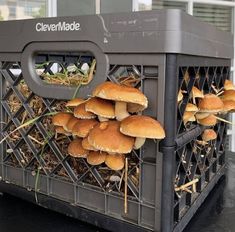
139, 142
121, 110
102, 119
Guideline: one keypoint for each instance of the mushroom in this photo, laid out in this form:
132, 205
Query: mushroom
228, 95
121, 95
61, 130
61, 119
86, 145
115, 162
106, 136
196, 93
189, 117
210, 120
229, 106
200, 115
180, 96
208, 135
75, 102
210, 104
191, 108
142, 127
75, 149
96, 157
101, 107
228, 85
81, 113
82, 128
70, 124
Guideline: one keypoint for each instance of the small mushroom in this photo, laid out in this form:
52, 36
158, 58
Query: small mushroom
61, 130
86, 145
106, 136
229, 106
82, 128
142, 127
210, 120
121, 95
191, 108
228, 85
228, 95
81, 113
101, 107
200, 115
70, 124
75, 149
115, 162
196, 93
189, 117
96, 157
61, 119
75, 102
208, 135
180, 96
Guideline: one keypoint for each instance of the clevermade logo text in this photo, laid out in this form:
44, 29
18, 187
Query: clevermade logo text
60, 26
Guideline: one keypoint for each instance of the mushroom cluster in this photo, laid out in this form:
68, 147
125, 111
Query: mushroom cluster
206, 108
106, 126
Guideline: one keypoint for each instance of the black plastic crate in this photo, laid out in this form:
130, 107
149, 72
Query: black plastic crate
161, 48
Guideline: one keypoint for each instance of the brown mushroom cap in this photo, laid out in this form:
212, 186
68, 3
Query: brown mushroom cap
115, 162
229, 95
106, 136
229, 105
61, 119
82, 128
228, 85
210, 104
75, 102
142, 126
101, 107
196, 93
191, 108
115, 92
208, 134
61, 130
75, 149
200, 115
70, 124
96, 157
86, 145
189, 117
210, 120
80, 112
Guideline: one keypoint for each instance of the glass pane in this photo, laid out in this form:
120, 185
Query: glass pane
112, 6
22, 9
220, 16
75, 7
156, 4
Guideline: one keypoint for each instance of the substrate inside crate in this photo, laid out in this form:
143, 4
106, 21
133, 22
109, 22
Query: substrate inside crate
36, 147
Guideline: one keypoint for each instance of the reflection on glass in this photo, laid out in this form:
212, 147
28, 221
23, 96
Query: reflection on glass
112, 6
75, 7
156, 4
220, 16
22, 9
